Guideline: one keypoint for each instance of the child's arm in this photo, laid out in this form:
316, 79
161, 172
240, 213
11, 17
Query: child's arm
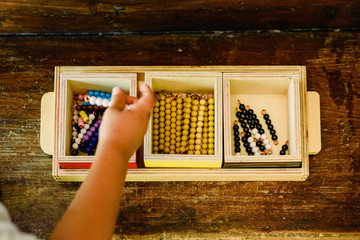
93, 212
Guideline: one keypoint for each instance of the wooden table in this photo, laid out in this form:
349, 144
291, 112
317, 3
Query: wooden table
325, 37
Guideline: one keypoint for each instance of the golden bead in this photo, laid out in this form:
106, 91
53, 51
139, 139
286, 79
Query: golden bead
182, 149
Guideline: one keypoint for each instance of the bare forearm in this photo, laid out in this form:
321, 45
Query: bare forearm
93, 212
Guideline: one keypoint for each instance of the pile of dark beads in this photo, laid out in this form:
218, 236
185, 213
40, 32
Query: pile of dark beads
253, 136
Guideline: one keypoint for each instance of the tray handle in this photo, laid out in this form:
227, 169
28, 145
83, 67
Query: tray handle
313, 122
47, 123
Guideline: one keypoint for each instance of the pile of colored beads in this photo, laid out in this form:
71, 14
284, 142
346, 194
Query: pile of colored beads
181, 123
86, 122
254, 138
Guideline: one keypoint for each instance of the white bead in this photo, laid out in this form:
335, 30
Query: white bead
90, 121
263, 136
74, 128
254, 131
105, 102
255, 149
78, 140
83, 130
75, 112
75, 146
87, 126
80, 135
257, 154
92, 100
250, 139
74, 133
75, 117
99, 101
257, 136
92, 116
253, 144
268, 146
74, 138
237, 154
266, 141
110, 104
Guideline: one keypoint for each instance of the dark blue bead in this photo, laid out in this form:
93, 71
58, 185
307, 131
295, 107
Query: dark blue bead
90, 93
94, 139
96, 134
88, 149
92, 144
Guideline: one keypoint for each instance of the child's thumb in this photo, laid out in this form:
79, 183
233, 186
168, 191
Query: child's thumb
118, 99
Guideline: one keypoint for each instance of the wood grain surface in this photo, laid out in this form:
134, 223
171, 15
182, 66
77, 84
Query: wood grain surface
327, 202
327, 42
69, 16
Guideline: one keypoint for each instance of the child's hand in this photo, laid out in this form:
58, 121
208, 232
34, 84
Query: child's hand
123, 129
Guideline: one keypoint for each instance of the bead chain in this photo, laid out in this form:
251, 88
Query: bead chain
183, 124
87, 110
253, 136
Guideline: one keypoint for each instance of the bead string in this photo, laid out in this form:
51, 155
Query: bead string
254, 138
87, 119
236, 138
183, 124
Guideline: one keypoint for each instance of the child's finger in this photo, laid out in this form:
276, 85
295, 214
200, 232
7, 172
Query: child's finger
118, 99
131, 100
146, 102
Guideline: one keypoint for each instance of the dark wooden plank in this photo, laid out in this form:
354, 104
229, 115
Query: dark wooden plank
38, 16
327, 202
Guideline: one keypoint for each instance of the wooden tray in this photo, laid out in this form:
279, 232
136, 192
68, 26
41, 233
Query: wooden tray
307, 126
